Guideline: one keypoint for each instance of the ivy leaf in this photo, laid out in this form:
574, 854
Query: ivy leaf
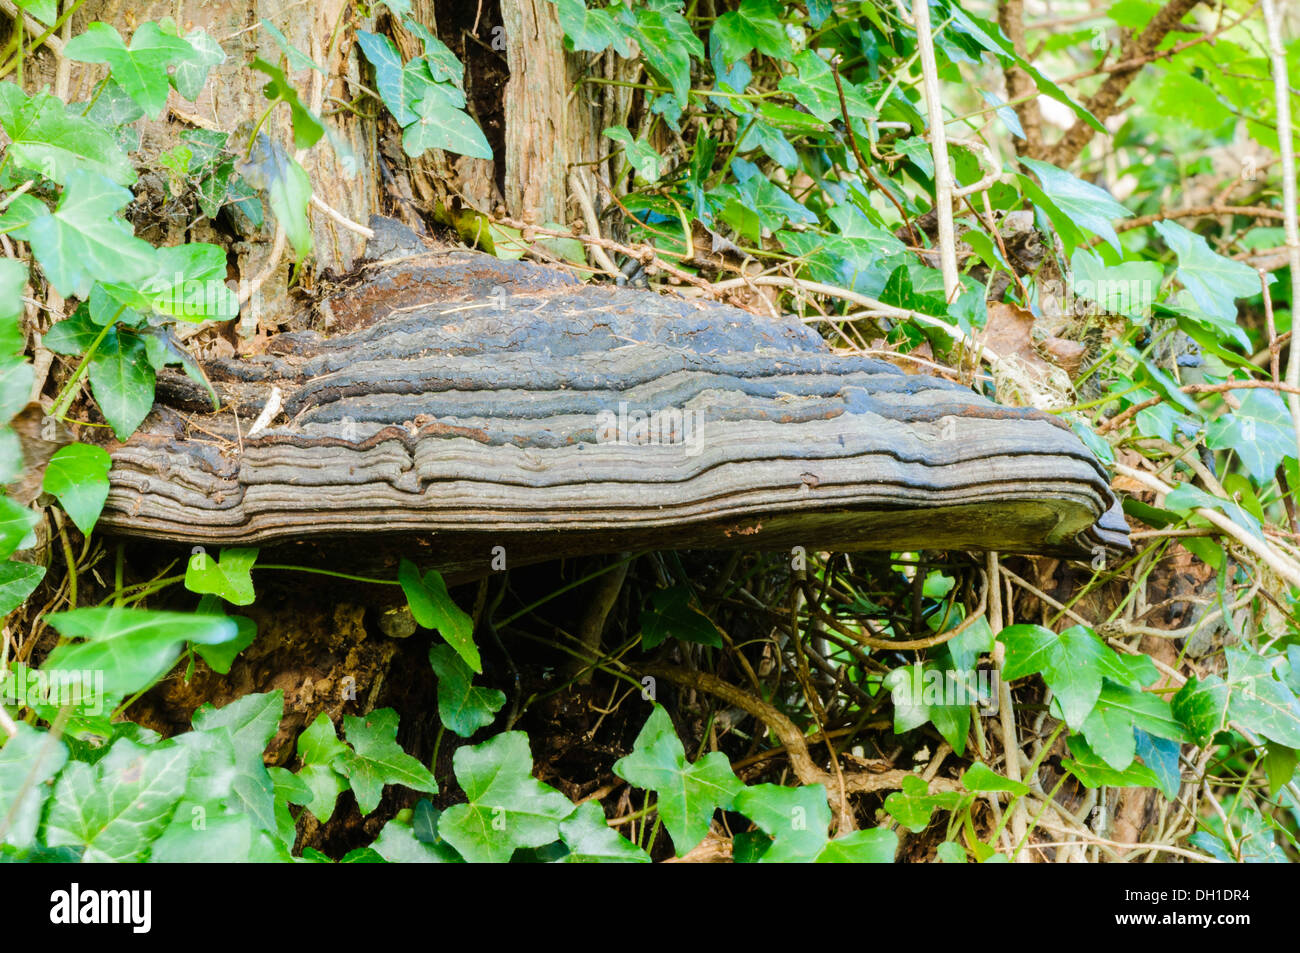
1083, 203
221, 656
814, 87
249, 723
1094, 772
297, 58
1201, 705
307, 128
28, 761
377, 759
914, 805
1072, 663
47, 138
795, 818
980, 778
190, 75
85, 239
648, 163
140, 70
462, 706
189, 283
688, 793
1120, 710
400, 87
16, 524
132, 647
269, 168
591, 840
755, 26
229, 577
507, 808
72, 335
17, 582
1185, 497
13, 276
77, 475
591, 30
1214, 282
675, 614
1259, 701
16, 377
397, 843
319, 747
1259, 431
441, 125
47, 11
118, 807
122, 381
667, 43
876, 845
433, 608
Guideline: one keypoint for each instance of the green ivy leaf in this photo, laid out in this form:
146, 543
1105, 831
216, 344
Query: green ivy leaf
221, 656
85, 240
592, 30
674, 614
28, 762
876, 845
297, 58
269, 168
398, 844
1083, 203
141, 70
433, 608
648, 163
378, 759
1259, 701
1214, 282
319, 747
122, 381
1120, 709
229, 577
47, 138
666, 41
16, 377
77, 475
189, 283
400, 85
17, 582
1201, 705
814, 87
132, 647
755, 26
795, 818
439, 124
191, 75
1072, 663
591, 840
914, 805
16, 523
462, 706
1094, 772
980, 778
688, 793
118, 807
507, 808
1259, 431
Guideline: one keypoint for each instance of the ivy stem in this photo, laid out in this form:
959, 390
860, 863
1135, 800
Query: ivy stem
70, 388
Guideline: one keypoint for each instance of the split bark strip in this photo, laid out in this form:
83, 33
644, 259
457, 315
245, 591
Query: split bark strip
943, 181
1287, 148
1006, 713
1135, 52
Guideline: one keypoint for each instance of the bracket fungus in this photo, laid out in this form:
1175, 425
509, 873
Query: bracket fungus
479, 404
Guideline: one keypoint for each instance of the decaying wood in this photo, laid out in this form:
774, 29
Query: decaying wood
477, 404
